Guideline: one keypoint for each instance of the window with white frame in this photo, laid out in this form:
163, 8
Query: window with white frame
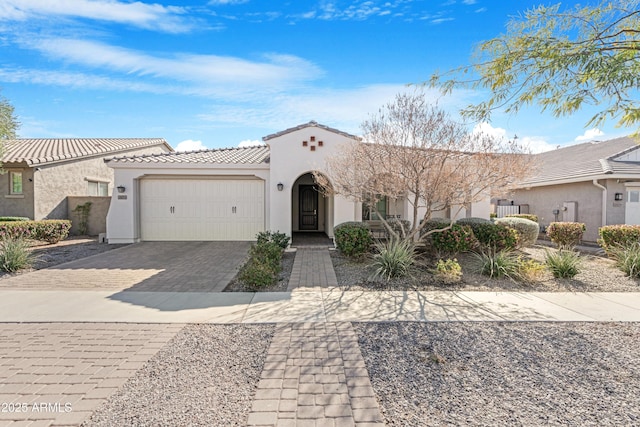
15, 182
97, 188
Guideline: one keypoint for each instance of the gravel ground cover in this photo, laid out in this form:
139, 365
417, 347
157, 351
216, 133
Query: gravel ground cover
205, 376
480, 374
599, 274
280, 286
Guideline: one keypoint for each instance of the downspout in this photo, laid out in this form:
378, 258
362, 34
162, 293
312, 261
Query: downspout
604, 201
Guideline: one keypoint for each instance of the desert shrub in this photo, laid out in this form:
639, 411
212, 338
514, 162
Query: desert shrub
494, 237
458, 238
352, 238
612, 237
497, 264
263, 265
530, 217
448, 271
280, 239
627, 258
527, 230
566, 234
13, 218
393, 258
563, 263
530, 270
15, 255
51, 230
473, 220
400, 226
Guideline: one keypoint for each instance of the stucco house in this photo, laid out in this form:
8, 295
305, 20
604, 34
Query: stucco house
234, 193
597, 183
39, 174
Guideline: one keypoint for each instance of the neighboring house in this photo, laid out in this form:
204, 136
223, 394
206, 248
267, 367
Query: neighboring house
597, 183
39, 174
234, 193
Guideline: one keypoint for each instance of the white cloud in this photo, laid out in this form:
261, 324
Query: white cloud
250, 143
211, 70
190, 145
225, 2
150, 16
589, 135
535, 144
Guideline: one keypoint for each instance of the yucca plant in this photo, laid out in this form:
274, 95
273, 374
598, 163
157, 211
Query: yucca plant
564, 263
497, 264
15, 255
627, 258
393, 258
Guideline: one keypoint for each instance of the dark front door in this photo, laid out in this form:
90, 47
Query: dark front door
308, 208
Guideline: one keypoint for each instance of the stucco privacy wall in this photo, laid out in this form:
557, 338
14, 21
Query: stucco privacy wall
290, 160
123, 219
18, 204
97, 221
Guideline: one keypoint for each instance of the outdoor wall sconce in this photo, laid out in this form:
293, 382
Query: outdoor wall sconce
121, 188
618, 197
280, 186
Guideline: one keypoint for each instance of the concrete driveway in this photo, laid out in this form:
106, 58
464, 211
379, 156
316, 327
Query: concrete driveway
148, 267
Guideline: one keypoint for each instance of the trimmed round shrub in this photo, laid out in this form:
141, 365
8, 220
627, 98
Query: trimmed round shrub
473, 220
566, 234
458, 238
527, 230
13, 218
352, 238
495, 237
434, 224
613, 237
530, 217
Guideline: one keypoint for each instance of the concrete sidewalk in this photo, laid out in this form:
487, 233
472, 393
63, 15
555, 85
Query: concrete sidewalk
313, 305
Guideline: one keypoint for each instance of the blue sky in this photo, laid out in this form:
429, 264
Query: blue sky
223, 72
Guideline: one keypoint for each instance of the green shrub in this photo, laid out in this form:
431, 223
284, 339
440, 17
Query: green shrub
448, 271
566, 234
563, 263
473, 220
13, 218
530, 217
15, 255
612, 237
352, 238
458, 238
393, 258
51, 230
280, 239
527, 230
530, 270
400, 226
497, 264
263, 265
627, 258
495, 237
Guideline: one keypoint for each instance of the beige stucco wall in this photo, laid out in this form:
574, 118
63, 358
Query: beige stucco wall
17, 205
54, 182
97, 221
543, 200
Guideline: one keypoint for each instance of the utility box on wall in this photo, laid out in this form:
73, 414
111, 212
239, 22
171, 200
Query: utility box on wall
570, 211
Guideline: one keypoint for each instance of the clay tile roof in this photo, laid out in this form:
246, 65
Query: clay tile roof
585, 161
238, 155
312, 123
38, 151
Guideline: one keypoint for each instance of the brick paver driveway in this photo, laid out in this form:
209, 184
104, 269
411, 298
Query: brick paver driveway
148, 266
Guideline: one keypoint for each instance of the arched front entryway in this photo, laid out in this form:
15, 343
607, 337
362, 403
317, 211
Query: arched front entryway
311, 208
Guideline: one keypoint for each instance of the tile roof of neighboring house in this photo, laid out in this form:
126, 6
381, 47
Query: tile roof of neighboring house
585, 161
239, 155
43, 150
312, 123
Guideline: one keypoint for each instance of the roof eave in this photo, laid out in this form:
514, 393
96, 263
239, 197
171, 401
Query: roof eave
586, 178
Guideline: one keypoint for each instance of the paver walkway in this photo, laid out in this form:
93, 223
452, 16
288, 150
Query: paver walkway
312, 267
314, 375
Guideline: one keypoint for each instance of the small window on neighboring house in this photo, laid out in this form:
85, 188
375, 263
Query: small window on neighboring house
15, 184
368, 213
98, 188
634, 196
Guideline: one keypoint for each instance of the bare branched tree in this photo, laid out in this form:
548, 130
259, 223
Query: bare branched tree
414, 151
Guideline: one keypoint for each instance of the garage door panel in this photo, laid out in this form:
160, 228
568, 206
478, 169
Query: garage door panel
186, 209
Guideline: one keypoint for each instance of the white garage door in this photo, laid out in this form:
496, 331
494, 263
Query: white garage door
201, 209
